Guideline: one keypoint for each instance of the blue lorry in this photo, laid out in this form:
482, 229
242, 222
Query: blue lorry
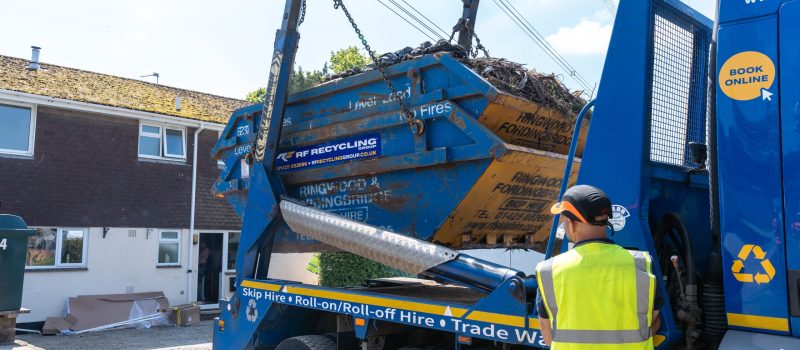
693, 135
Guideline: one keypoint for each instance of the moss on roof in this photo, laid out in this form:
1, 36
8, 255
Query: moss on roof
80, 85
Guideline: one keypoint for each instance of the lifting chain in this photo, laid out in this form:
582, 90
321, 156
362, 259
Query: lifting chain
417, 126
302, 14
479, 46
464, 24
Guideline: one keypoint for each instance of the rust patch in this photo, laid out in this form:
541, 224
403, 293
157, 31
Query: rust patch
456, 120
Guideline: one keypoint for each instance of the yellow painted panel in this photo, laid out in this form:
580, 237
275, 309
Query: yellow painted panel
529, 124
759, 322
491, 317
513, 197
261, 285
534, 323
658, 339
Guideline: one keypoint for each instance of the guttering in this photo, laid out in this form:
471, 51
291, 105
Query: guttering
190, 272
14, 96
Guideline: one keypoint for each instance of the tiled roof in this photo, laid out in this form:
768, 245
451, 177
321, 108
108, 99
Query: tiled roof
80, 85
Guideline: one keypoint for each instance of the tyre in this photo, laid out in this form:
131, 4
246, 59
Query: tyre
308, 342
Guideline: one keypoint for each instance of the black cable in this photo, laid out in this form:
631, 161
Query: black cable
673, 222
415, 18
610, 6
425, 17
530, 35
539, 42
586, 84
411, 24
547, 44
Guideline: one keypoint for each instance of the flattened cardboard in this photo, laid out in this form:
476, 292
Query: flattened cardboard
55, 325
91, 311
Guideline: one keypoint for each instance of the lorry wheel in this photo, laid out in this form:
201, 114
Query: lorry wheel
307, 342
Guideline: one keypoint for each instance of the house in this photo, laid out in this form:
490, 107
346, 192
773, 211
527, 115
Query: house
115, 174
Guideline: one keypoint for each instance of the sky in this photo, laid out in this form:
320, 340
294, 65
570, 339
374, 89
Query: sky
224, 47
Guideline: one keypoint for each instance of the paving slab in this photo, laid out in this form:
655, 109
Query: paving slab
196, 337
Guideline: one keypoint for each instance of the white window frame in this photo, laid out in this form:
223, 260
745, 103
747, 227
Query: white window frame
220, 162
59, 245
162, 137
183, 142
31, 131
169, 240
226, 241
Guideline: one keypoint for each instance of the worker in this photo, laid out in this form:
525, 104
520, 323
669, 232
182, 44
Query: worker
597, 295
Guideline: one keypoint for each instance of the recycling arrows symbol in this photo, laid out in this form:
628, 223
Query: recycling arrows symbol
252, 311
761, 277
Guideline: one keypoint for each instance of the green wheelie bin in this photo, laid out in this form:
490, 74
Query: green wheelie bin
14, 235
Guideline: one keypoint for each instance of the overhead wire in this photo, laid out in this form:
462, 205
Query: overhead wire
527, 28
573, 72
415, 18
407, 21
611, 7
426, 18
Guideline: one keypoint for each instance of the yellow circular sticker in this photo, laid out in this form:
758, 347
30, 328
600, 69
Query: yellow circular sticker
745, 74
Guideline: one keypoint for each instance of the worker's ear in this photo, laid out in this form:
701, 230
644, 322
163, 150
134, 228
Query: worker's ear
569, 228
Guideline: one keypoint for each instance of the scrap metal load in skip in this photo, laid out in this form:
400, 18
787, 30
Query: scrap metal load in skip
481, 171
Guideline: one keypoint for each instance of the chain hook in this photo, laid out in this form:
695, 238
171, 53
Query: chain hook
417, 126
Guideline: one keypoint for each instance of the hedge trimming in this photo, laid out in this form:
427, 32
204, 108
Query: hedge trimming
343, 269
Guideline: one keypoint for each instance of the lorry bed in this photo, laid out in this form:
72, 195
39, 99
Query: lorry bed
427, 290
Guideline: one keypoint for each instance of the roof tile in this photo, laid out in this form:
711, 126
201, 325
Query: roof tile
84, 86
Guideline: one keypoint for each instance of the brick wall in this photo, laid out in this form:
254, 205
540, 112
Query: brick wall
211, 213
86, 172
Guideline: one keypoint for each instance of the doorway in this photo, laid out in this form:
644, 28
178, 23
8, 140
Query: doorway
209, 267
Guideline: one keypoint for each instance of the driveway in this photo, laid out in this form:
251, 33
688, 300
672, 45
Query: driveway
196, 337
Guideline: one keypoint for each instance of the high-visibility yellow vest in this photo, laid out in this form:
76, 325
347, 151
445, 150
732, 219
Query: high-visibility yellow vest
598, 296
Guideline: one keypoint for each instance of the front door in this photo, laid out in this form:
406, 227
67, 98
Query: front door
209, 267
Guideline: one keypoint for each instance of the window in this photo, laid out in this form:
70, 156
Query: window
174, 145
161, 141
57, 247
169, 247
233, 247
17, 129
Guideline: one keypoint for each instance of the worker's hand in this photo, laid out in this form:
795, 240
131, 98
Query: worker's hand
656, 322
547, 333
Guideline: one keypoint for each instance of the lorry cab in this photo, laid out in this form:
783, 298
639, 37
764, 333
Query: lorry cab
666, 93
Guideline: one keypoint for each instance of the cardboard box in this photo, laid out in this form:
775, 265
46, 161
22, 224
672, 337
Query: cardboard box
184, 315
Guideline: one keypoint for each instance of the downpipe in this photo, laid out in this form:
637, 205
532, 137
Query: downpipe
192, 213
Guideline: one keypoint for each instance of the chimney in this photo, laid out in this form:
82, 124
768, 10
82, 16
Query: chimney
178, 103
34, 65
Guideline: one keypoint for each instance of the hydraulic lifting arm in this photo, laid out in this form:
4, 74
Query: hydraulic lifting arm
265, 185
